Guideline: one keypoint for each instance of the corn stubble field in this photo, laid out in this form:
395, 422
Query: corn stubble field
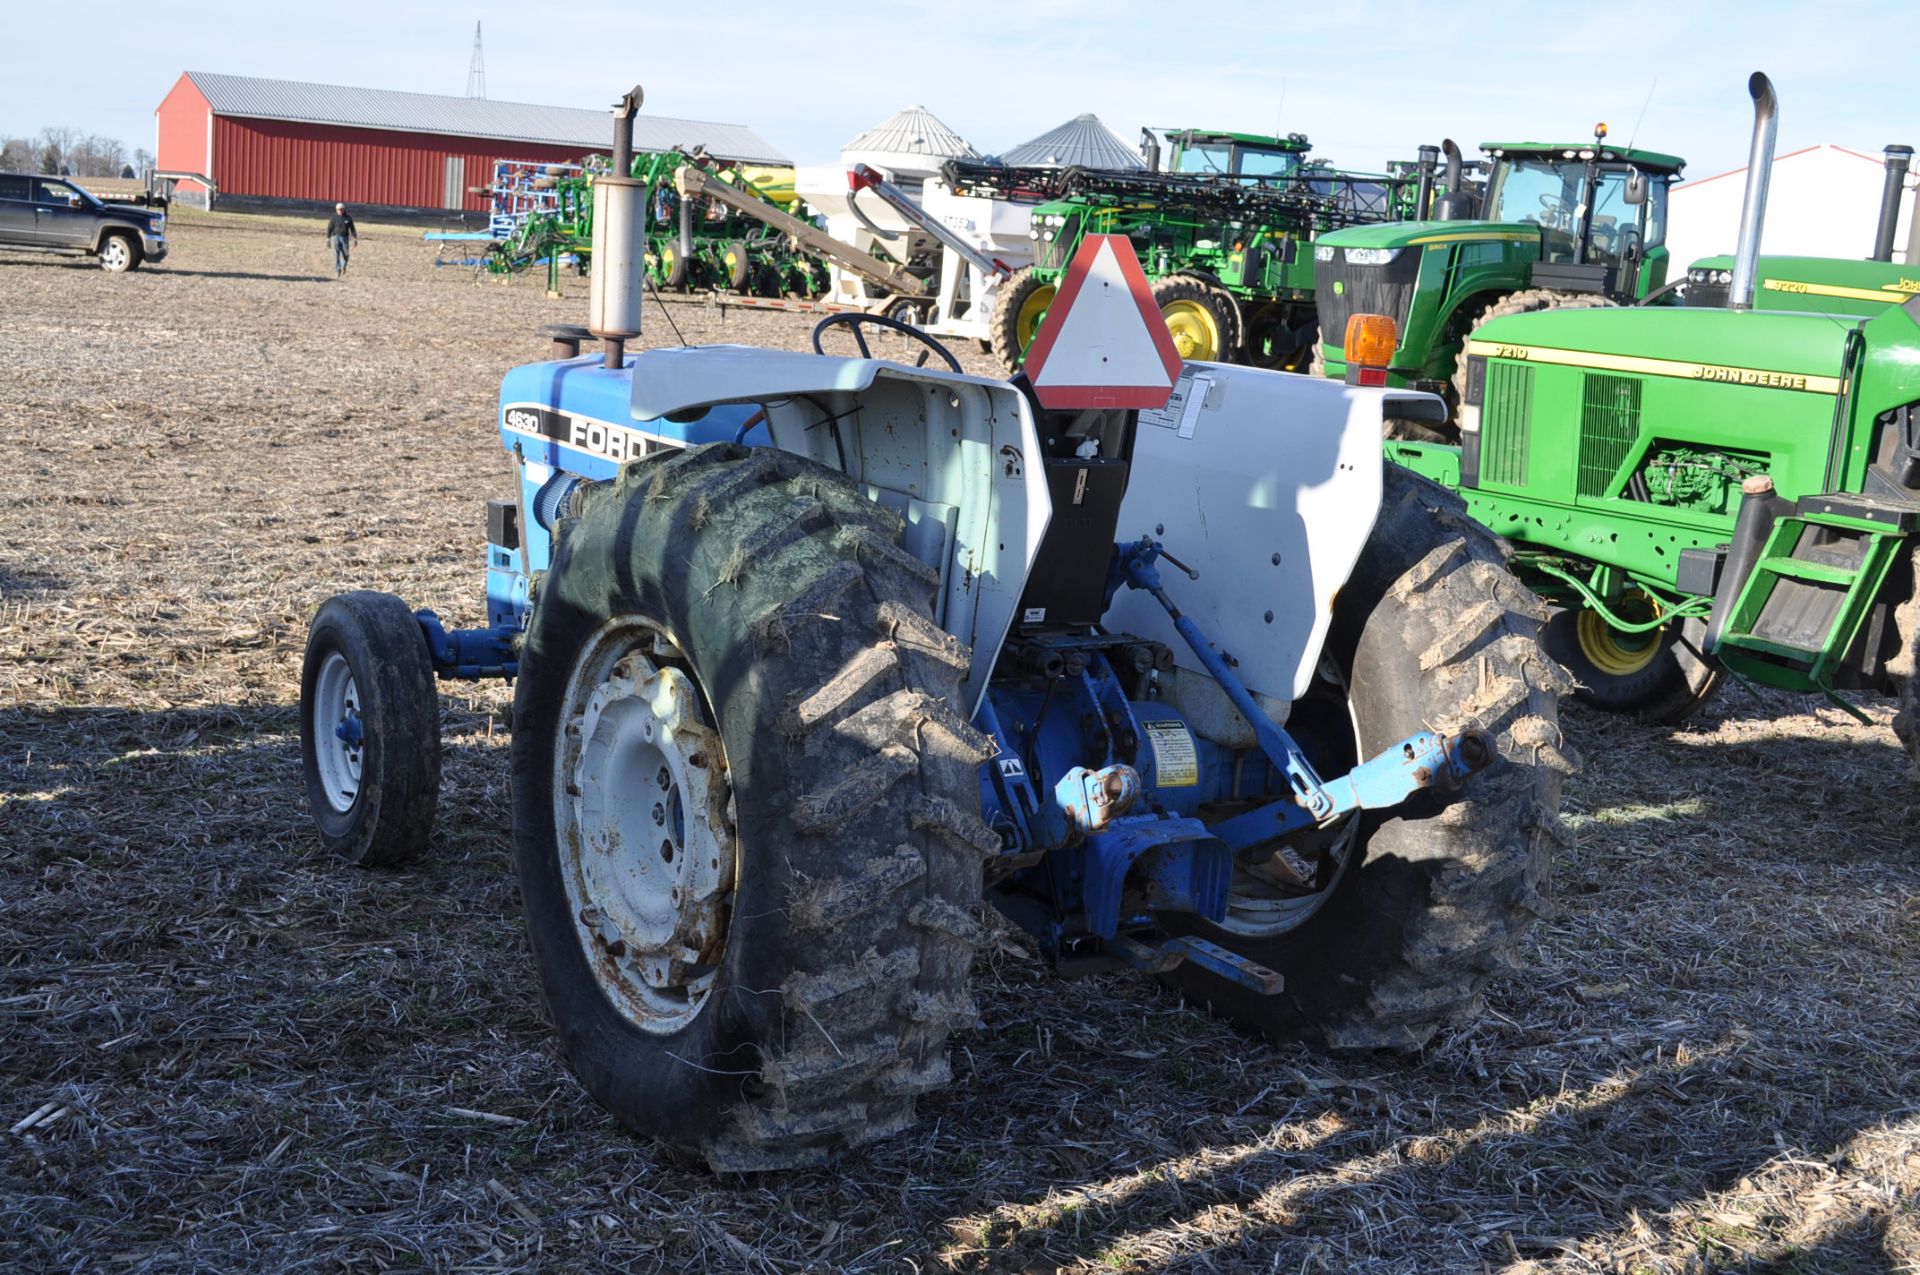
220, 1050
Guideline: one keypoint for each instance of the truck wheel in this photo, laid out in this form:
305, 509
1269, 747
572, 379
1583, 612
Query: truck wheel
1657, 677
1387, 926
745, 809
1018, 310
119, 253
1204, 321
370, 729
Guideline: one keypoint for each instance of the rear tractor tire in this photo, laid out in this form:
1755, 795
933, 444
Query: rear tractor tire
745, 812
1019, 307
1658, 677
1410, 911
370, 729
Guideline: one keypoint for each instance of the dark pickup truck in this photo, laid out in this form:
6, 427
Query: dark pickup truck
51, 214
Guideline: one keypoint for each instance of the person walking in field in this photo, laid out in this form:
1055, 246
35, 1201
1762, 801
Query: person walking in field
340, 228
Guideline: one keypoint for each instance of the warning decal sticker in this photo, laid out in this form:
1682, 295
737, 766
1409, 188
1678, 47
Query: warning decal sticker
1175, 763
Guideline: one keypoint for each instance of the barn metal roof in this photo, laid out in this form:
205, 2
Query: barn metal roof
246, 95
1082, 141
913, 131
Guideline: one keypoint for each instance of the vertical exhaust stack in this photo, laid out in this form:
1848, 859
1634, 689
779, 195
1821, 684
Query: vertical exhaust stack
1423, 193
1753, 209
1898, 157
1452, 206
619, 241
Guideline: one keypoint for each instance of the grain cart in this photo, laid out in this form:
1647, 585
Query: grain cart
1558, 226
1705, 490
811, 653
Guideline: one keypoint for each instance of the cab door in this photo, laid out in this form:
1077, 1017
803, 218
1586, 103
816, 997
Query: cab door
61, 216
16, 210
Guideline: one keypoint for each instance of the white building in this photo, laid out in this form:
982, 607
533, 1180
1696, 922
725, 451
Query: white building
1822, 201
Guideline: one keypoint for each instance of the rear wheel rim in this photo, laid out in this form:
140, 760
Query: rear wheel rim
1261, 901
1195, 329
339, 734
643, 825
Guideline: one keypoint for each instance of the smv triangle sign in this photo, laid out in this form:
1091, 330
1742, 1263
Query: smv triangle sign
1103, 343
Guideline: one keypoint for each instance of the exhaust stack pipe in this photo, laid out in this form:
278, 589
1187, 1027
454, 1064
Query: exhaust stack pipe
1423, 193
1898, 157
1753, 209
1451, 206
619, 241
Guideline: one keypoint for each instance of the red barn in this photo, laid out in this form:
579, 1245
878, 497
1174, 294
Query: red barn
279, 142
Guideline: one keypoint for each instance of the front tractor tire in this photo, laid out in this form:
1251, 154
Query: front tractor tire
745, 809
1204, 320
1419, 906
1658, 677
1019, 307
370, 729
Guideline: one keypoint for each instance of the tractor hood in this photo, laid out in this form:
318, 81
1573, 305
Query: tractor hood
1779, 350
1817, 283
1404, 234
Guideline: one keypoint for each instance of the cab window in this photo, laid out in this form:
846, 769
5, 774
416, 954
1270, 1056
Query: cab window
13, 186
49, 191
1252, 161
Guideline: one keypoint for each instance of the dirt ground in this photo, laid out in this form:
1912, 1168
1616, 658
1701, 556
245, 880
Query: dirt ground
220, 1050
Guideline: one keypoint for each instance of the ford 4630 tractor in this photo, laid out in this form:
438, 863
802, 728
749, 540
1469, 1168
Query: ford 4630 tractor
812, 654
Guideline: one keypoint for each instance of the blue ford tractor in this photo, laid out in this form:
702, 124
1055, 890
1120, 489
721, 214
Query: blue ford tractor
813, 655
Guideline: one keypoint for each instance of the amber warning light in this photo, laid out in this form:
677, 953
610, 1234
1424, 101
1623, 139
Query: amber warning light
1369, 344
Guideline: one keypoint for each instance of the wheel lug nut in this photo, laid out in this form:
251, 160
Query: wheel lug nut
663, 778
659, 814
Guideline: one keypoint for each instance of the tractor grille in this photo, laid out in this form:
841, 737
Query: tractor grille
1506, 423
1052, 253
1384, 290
1609, 422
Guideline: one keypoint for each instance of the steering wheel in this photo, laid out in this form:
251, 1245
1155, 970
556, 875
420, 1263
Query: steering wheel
854, 322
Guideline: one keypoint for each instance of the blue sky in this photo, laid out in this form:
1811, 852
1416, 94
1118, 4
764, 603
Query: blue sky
1366, 80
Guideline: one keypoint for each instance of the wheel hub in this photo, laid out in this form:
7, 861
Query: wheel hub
645, 836
1613, 652
1195, 334
339, 744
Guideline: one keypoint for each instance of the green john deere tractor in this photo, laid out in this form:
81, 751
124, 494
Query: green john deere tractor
1819, 285
1224, 232
1557, 226
1705, 491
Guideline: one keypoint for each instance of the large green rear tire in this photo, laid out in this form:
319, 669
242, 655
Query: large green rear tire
763, 1012
1019, 307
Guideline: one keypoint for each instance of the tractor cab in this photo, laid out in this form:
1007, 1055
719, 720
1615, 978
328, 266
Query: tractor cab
1601, 212
1245, 157
1555, 224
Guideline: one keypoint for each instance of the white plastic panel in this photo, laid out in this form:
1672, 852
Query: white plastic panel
1268, 484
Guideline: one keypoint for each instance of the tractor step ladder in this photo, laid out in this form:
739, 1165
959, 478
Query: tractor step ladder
1811, 590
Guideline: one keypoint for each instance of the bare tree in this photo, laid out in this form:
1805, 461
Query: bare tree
16, 154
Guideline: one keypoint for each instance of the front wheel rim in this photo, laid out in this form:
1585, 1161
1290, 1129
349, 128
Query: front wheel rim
1612, 652
339, 733
1033, 312
115, 254
643, 826
1195, 330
